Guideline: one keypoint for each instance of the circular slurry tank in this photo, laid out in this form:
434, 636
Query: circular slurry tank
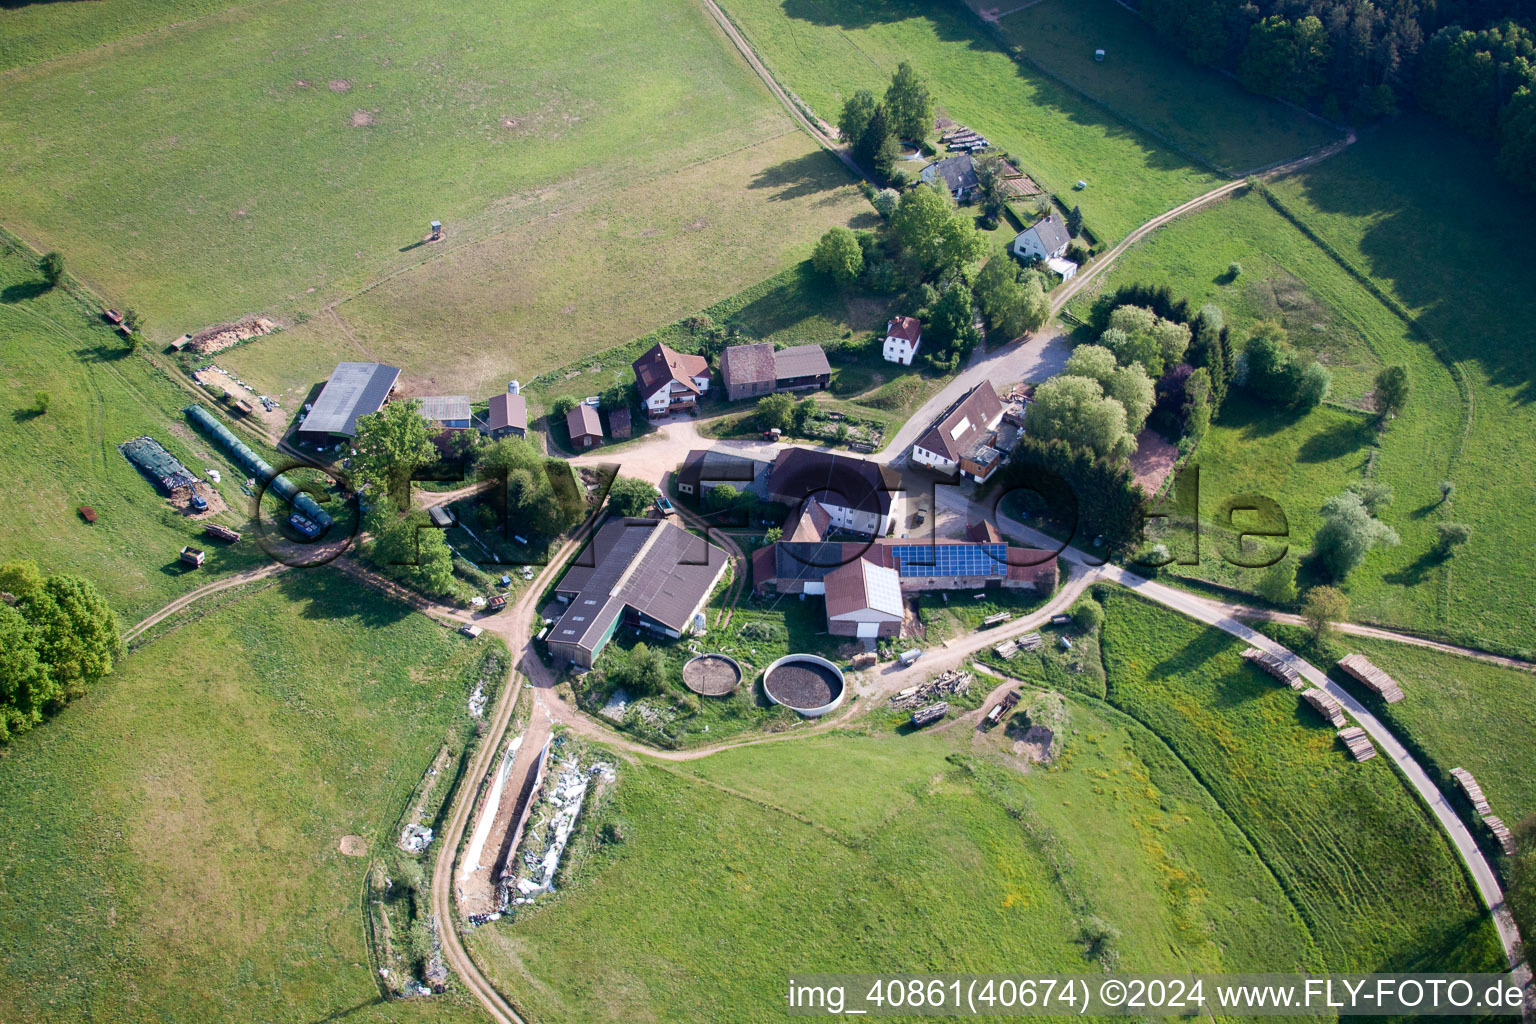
711, 675
805, 684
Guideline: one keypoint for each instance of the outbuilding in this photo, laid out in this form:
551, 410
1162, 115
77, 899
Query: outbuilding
586, 430
353, 391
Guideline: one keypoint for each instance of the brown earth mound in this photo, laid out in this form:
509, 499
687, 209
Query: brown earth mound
222, 336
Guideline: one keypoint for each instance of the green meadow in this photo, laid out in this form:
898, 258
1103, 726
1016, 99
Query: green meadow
1197, 109
825, 51
99, 395
180, 858
1301, 460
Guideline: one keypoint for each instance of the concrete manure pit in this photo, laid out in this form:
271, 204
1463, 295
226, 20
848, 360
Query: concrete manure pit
711, 675
805, 684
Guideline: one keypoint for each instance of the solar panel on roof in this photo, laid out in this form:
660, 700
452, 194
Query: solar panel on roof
951, 559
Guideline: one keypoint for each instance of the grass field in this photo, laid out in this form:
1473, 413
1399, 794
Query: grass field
1457, 713
33, 32
173, 851
825, 51
1472, 294
294, 153
53, 462
1301, 461
1198, 109
879, 852
1362, 860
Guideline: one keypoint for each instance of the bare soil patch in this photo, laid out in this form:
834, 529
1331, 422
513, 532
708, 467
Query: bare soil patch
181, 500
1035, 744
340, 85
1153, 461
361, 118
353, 846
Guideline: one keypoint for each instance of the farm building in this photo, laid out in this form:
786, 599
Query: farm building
353, 391
1046, 239
647, 573
961, 441
750, 371
864, 600
586, 429
507, 416
618, 423
812, 524
858, 494
984, 532
704, 469
670, 381
446, 412
957, 172
802, 566
903, 335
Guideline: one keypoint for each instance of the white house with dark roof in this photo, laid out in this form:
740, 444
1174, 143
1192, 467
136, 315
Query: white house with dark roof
670, 381
1046, 239
961, 440
903, 335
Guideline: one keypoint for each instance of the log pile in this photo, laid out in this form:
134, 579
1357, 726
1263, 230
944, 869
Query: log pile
931, 713
1325, 705
1501, 833
1474, 792
1358, 742
1275, 666
953, 681
1359, 668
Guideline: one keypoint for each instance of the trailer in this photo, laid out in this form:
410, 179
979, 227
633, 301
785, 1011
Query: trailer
192, 556
496, 604
308, 527
909, 658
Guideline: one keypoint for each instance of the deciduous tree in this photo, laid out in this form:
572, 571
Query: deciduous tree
1323, 608
1075, 410
910, 105
1349, 533
839, 255
631, 497
1390, 394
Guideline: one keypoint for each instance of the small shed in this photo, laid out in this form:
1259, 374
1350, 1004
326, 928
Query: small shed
585, 428
192, 556
87, 513
442, 518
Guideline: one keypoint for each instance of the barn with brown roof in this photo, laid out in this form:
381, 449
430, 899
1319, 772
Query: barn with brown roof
586, 429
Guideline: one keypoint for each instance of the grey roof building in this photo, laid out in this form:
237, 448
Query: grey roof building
354, 390
446, 410
958, 172
645, 572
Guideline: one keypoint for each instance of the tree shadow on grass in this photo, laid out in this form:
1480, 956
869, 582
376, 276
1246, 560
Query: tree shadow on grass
327, 595
25, 415
103, 353
1413, 574
808, 174
22, 292
1333, 442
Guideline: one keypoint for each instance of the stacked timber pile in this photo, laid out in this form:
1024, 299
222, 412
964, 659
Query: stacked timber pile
1359, 668
953, 681
1358, 742
1006, 650
1501, 833
1031, 642
1275, 666
1474, 792
1325, 705
931, 713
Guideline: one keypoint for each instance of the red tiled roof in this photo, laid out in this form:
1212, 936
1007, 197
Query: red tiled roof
661, 365
812, 524
582, 420
507, 411
984, 532
907, 328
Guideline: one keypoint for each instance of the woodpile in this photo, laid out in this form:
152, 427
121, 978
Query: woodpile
1325, 705
1501, 833
1474, 792
930, 714
1006, 650
953, 681
1358, 742
1275, 666
1359, 668
218, 532
1031, 642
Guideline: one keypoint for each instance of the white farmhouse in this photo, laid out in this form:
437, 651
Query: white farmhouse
961, 441
903, 334
1046, 239
670, 381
